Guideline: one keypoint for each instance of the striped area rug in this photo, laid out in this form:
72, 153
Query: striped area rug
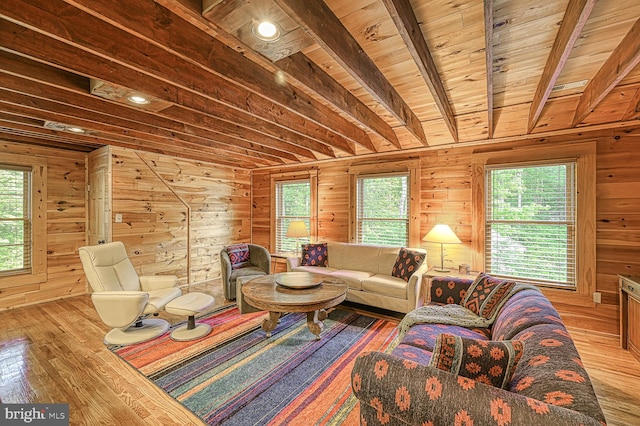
237, 376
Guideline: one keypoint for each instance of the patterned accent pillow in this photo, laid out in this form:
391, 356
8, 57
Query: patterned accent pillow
239, 256
486, 295
488, 361
406, 263
315, 255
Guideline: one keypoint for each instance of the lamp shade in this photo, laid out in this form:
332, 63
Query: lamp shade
441, 233
297, 229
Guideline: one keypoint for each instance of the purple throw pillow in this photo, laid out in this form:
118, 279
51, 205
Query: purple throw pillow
315, 255
239, 256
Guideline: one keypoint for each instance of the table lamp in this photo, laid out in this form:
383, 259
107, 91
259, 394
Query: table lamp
441, 233
297, 229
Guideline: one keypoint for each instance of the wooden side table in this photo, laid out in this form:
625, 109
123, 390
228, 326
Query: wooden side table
279, 261
630, 314
427, 276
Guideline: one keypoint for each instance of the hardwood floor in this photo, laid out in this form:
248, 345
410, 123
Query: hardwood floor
53, 352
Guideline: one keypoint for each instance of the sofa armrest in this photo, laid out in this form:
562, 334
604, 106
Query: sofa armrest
390, 387
293, 262
157, 282
448, 290
414, 286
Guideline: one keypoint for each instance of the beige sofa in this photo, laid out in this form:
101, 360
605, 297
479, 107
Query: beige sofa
367, 271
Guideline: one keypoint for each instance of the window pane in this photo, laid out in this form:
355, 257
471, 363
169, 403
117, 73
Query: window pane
293, 202
530, 229
383, 210
15, 227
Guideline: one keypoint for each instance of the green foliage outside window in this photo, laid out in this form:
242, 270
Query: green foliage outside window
293, 201
383, 210
14, 224
531, 223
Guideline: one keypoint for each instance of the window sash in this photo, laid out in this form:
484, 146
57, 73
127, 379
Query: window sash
391, 229
540, 249
284, 218
15, 221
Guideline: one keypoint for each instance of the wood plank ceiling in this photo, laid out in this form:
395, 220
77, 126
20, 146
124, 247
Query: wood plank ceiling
345, 77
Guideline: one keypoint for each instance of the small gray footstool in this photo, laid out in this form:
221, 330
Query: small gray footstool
243, 306
190, 304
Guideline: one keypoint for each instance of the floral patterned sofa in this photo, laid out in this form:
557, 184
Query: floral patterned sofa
548, 385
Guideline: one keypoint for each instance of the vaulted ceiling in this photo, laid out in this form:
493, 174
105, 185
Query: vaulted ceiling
344, 78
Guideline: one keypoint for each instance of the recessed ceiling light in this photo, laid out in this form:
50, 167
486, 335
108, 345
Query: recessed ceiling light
266, 31
137, 99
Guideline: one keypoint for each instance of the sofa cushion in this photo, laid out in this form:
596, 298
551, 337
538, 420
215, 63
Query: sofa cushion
314, 255
448, 290
486, 295
314, 269
413, 353
425, 335
238, 255
406, 263
353, 278
357, 257
551, 371
489, 362
524, 310
386, 285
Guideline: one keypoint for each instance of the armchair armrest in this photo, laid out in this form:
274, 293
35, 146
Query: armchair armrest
448, 290
119, 309
157, 282
292, 262
413, 394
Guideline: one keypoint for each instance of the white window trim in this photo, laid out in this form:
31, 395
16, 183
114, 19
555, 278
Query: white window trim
585, 155
38, 273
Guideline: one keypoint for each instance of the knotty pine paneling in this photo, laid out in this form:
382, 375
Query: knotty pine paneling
446, 196
66, 215
178, 214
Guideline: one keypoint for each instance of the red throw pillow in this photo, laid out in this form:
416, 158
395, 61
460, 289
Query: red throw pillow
488, 361
239, 256
315, 255
406, 263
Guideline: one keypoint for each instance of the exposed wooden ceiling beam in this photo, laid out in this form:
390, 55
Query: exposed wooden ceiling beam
633, 110
320, 22
405, 19
182, 39
621, 61
313, 77
488, 49
61, 54
575, 17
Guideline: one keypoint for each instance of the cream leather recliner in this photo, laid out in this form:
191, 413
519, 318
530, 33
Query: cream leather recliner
122, 298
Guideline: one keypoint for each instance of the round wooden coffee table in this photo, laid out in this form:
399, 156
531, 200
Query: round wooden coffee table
301, 292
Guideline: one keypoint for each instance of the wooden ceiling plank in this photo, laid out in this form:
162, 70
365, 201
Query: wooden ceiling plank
407, 24
59, 54
621, 61
49, 110
488, 43
310, 75
320, 22
44, 81
185, 41
574, 20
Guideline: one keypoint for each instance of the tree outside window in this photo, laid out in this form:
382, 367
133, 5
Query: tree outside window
15, 220
382, 210
293, 202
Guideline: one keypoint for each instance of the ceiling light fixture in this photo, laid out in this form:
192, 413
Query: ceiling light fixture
266, 31
75, 129
137, 99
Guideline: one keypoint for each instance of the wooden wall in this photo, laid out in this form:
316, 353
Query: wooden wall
176, 217
178, 214
445, 196
66, 212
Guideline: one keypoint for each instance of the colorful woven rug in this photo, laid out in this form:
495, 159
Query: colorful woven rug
237, 376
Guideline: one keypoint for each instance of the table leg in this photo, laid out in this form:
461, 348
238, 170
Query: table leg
314, 321
270, 323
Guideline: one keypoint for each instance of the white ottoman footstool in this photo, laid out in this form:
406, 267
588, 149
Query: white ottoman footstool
190, 304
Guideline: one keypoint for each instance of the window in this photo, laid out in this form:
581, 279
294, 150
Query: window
382, 209
15, 220
293, 202
530, 222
